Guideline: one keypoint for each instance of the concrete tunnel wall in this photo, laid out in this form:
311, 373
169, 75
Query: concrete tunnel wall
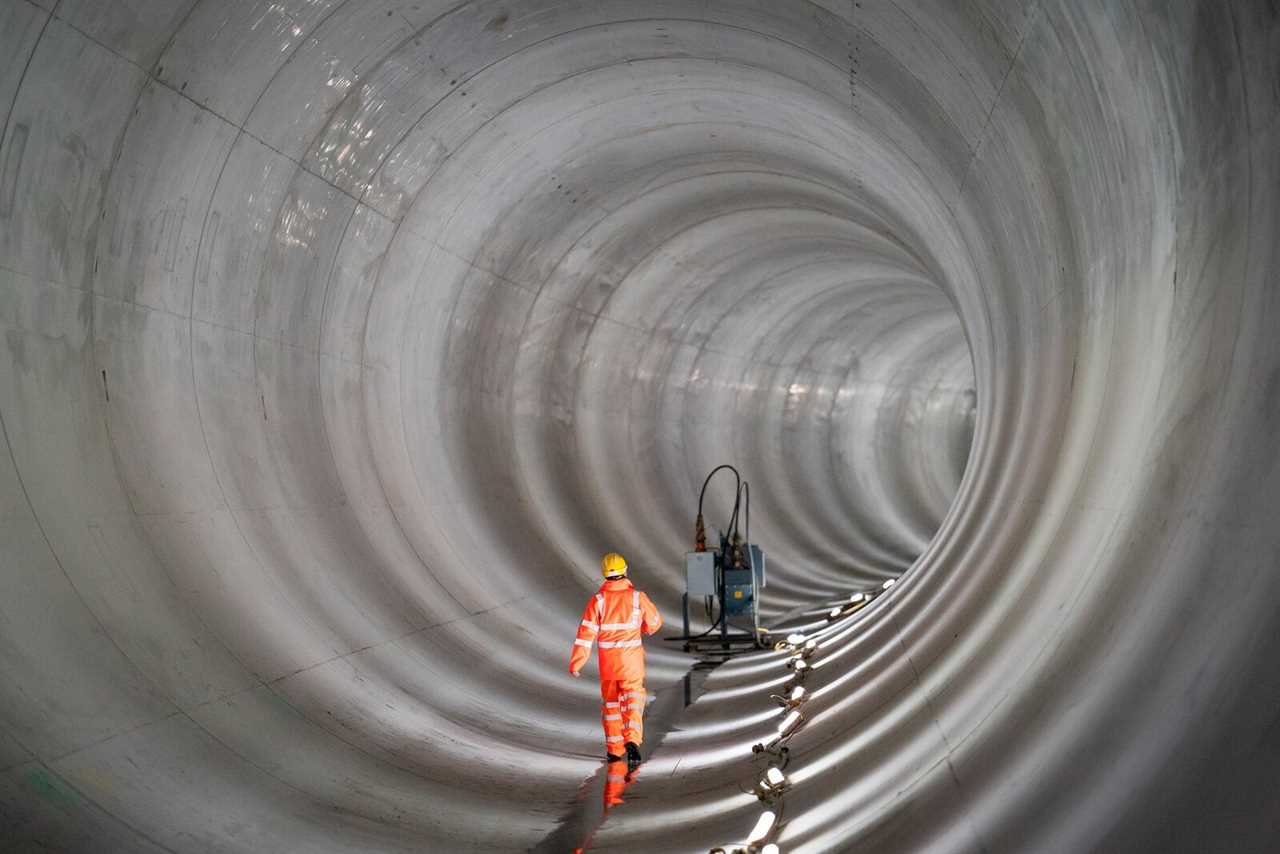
342, 337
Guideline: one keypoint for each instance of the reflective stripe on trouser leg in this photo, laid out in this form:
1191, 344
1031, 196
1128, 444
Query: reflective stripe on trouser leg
631, 698
611, 715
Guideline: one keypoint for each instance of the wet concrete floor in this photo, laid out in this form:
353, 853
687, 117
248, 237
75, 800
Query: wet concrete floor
588, 810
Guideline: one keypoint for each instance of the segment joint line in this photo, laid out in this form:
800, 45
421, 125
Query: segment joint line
995, 102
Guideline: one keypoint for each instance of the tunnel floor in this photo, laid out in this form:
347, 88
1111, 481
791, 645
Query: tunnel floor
589, 810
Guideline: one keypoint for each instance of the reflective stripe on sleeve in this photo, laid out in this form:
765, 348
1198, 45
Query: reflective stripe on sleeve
615, 627
581, 642
613, 738
590, 625
630, 644
613, 717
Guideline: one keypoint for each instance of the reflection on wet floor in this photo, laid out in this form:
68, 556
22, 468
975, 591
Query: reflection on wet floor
618, 776
605, 790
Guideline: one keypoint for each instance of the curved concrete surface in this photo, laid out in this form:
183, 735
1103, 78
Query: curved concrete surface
342, 337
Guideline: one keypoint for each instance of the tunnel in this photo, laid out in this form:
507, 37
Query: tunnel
343, 337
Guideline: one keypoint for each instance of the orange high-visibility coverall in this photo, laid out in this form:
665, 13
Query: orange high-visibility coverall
617, 614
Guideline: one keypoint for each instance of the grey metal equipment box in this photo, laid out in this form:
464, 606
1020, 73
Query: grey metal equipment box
700, 573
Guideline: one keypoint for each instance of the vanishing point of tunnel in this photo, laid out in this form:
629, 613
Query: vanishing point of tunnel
341, 338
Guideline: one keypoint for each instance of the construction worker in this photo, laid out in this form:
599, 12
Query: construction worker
617, 613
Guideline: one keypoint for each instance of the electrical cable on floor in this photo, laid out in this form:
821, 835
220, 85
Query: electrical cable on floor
773, 784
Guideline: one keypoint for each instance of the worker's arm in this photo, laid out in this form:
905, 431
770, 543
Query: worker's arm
651, 620
587, 632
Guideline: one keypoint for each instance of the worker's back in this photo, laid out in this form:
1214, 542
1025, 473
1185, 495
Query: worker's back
622, 613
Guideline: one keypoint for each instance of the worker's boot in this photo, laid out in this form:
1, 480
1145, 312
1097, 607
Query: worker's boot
633, 753
613, 758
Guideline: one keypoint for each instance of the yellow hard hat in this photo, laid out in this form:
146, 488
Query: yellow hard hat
613, 565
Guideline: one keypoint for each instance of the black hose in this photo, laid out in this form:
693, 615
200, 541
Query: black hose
732, 529
714, 626
703, 494
746, 493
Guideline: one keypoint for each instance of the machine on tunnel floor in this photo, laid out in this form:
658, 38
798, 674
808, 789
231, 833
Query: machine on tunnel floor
727, 578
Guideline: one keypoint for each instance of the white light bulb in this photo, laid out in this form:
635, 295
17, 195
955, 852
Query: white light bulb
770, 849
795, 639
835, 612
763, 826
810, 645
797, 692
789, 723
774, 777
888, 584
